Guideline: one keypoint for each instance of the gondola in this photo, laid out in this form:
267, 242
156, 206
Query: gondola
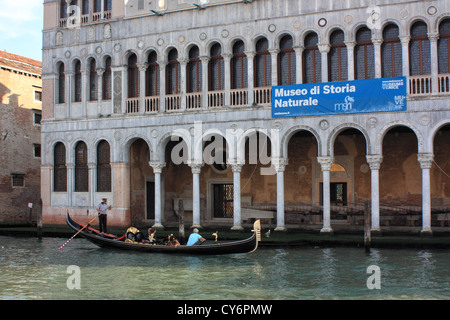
208, 248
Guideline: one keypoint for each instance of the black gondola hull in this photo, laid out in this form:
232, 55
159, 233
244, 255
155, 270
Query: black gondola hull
227, 247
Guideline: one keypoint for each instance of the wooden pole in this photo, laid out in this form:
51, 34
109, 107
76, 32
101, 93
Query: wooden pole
181, 220
39, 221
367, 233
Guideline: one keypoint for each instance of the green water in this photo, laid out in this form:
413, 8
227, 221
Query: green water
32, 269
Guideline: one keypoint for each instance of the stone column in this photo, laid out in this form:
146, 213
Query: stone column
142, 82
121, 214
68, 93
183, 63
237, 220
227, 79
280, 165
100, 89
351, 59
162, 85
426, 161
70, 182
325, 164
205, 61
85, 90
274, 60
157, 169
434, 37
92, 169
377, 55
299, 64
374, 162
251, 83
324, 49
196, 168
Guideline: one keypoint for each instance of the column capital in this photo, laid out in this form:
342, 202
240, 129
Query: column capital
425, 160
143, 66
350, 44
405, 39
374, 161
325, 163
433, 36
227, 56
324, 47
250, 54
100, 71
196, 167
157, 166
274, 51
236, 167
280, 164
204, 59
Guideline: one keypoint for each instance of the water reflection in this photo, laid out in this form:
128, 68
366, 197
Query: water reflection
38, 270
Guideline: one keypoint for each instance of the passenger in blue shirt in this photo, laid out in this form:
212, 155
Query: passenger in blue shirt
195, 238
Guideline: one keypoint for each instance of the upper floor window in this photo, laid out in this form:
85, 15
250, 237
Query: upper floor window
312, 59
61, 83
78, 82
103, 167
81, 168
152, 75
364, 55
93, 82
133, 77
444, 47
239, 79
107, 80
59, 168
216, 68
173, 70
419, 50
194, 71
391, 52
337, 57
286, 62
263, 64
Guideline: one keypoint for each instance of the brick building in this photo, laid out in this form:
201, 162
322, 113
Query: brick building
123, 79
20, 137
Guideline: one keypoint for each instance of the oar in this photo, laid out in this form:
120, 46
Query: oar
80, 230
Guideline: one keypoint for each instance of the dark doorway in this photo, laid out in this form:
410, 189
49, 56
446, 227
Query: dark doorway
150, 190
338, 193
223, 200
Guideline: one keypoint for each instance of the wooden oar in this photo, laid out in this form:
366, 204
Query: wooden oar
80, 229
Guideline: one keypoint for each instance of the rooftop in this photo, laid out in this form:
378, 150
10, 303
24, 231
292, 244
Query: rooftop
16, 62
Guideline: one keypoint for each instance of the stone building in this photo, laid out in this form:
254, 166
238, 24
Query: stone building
143, 100
20, 137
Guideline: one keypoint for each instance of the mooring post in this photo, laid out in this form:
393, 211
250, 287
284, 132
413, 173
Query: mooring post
367, 233
181, 220
39, 221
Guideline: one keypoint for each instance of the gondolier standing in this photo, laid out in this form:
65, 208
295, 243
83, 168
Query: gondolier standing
101, 208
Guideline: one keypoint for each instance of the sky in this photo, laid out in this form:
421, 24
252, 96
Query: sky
21, 23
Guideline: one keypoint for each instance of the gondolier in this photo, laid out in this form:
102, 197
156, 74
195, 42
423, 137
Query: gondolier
102, 208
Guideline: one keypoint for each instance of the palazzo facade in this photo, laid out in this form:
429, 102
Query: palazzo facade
143, 100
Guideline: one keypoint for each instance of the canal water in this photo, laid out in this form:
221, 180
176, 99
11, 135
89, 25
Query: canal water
32, 269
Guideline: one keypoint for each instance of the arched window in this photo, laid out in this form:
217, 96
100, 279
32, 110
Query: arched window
93, 82
194, 71
262, 64
444, 47
63, 11
216, 68
97, 5
364, 55
152, 75
81, 168
239, 78
59, 168
103, 167
85, 8
108, 5
133, 77
312, 61
78, 82
107, 80
173, 70
419, 50
391, 52
286, 62
61, 83
337, 57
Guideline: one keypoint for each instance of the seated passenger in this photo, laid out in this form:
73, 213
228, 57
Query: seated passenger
195, 238
151, 235
174, 242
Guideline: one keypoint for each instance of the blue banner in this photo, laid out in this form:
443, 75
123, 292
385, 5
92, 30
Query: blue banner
360, 96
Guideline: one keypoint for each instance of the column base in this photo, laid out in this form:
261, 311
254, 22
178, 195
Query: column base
237, 228
426, 232
281, 228
326, 230
196, 226
158, 226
